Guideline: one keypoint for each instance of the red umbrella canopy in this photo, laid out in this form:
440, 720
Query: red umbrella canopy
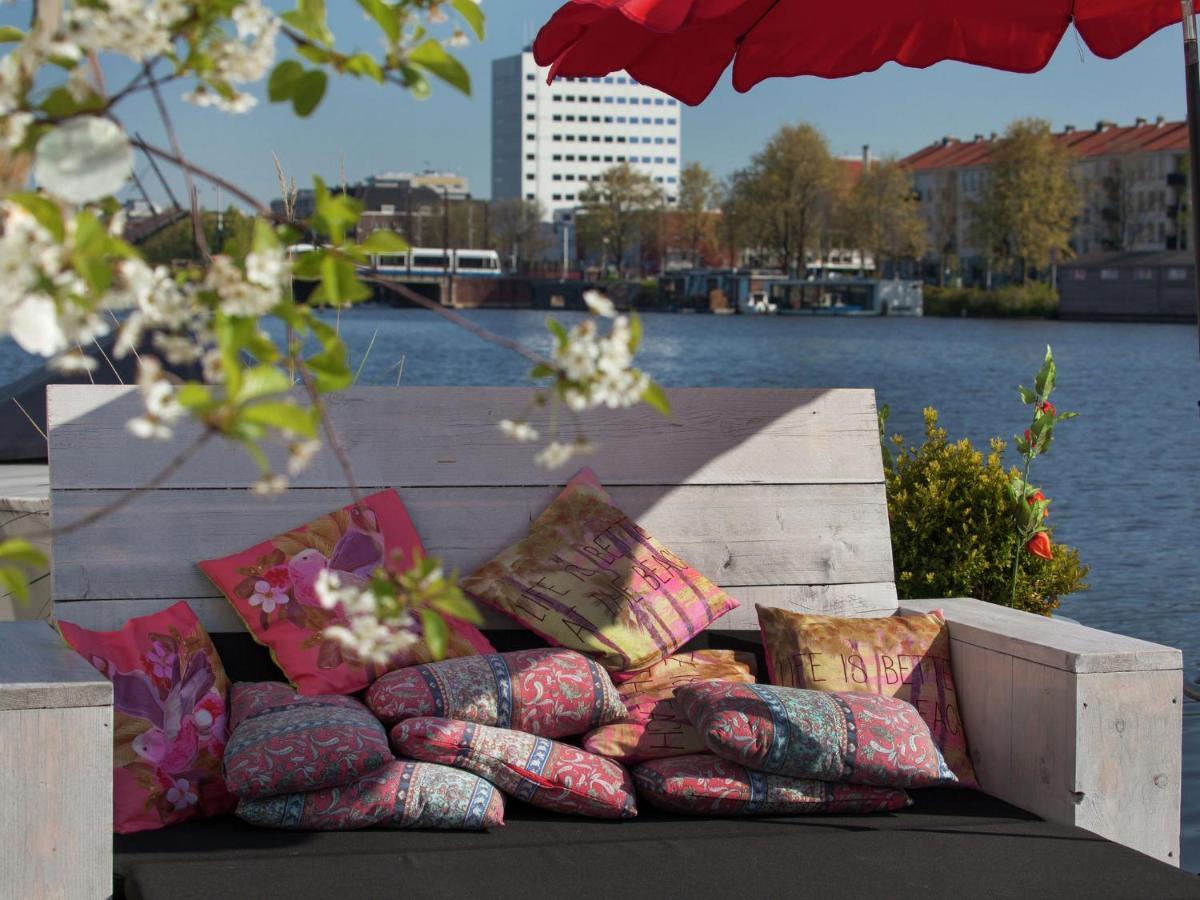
681, 47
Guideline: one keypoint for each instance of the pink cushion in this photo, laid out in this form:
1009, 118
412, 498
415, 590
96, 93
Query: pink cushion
863, 738
655, 726
282, 742
271, 586
403, 794
589, 578
534, 769
549, 692
706, 785
170, 718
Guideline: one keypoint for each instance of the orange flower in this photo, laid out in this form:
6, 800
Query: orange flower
1034, 498
1039, 545
1048, 408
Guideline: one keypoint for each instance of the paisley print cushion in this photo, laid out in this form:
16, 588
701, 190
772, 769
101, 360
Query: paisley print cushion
283, 742
548, 692
272, 587
706, 785
403, 794
655, 726
860, 738
589, 578
534, 769
170, 719
907, 657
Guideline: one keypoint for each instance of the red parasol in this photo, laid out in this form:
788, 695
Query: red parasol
681, 47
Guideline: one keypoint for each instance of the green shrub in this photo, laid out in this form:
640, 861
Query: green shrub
952, 516
1012, 301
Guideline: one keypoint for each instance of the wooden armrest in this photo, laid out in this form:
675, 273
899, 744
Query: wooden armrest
56, 731
1074, 724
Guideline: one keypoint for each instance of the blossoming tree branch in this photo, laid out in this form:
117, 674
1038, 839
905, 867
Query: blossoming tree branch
68, 278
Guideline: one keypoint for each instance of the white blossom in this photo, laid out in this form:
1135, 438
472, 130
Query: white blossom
599, 304
555, 454
520, 431
162, 406
363, 633
300, 454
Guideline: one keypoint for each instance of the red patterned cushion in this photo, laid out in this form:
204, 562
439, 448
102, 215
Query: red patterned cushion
655, 726
863, 738
169, 717
403, 794
272, 587
547, 692
706, 785
283, 742
534, 769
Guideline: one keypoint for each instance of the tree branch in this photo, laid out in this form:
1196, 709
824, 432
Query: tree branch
197, 219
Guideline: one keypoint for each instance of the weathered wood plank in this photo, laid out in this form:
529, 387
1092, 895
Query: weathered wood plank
448, 436
218, 616
56, 802
33, 527
787, 534
38, 670
1051, 642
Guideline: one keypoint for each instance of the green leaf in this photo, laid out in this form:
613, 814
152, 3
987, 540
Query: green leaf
90, 253
309, 19
635, 332
11, 35
364, 65
559, 332
13, 582
384, 242
194, 396
437, 633
541, 370
329, 369
307, 266
386, 16
1062, 417
1027, 396
283, 416
417, 84
433, 58
262, 381
308, 91
457, 605
472, 14
22, 552
335, 213
47, 213
282, 82
339, 283
654, 396
264, 238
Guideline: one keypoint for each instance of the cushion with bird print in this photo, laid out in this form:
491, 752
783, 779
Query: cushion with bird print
272, 587
589, 578
170, 720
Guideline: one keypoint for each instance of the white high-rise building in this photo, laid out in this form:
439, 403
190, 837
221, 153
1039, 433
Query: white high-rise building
550, 140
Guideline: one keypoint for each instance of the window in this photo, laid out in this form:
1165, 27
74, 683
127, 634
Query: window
530, 156
1110, 274
608, 80
608, 159
570, 157
595, 99
621, 101
658, 179
672, 121
608, 139
556, 197
558, 97
671, 101
658, 121
570, 118
620, 120
570, 196
530, 76
1177, 274
570, 137
531, 137
429, 261
556, 178
608, 120
531, 96
530, 196
529, 117
620, 138
595, 159
556, 118
1143, 274
557, 137
529, 177
671, 179
595, 138
658, 101
658, 140
671, 160
557, 157
608, 99
658, 159
672, 141
569, 177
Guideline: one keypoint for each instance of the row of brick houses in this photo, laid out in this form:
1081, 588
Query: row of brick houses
1132, 181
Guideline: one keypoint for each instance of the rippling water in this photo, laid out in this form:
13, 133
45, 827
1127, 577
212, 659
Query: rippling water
1125, 476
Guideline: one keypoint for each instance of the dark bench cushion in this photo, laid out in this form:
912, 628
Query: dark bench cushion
951, 843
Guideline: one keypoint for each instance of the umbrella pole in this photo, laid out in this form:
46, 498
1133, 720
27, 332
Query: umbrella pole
1192, 69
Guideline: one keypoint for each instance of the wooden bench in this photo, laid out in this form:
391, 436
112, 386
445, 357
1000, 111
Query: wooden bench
777, 495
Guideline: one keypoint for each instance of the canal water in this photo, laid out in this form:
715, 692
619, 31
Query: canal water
1125, 476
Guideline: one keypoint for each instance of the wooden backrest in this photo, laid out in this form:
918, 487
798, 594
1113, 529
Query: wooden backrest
777, 495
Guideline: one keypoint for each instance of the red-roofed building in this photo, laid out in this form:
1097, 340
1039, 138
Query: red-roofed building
1132, 180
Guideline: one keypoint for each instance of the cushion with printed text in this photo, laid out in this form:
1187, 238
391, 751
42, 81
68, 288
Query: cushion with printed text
655, 727
282, 742
272, 587
589, 578
403, 794
536, 770
706, 785
548, 691
170, 719
907, 657
861, 738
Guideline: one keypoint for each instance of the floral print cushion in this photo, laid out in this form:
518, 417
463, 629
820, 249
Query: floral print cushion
282, 742
861, 738
170, 719
589, 578
706, 785
403, 794
655, 727
548, 692
536, 770
907, 657
272, 586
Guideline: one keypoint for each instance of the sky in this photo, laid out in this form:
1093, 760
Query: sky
894, 110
